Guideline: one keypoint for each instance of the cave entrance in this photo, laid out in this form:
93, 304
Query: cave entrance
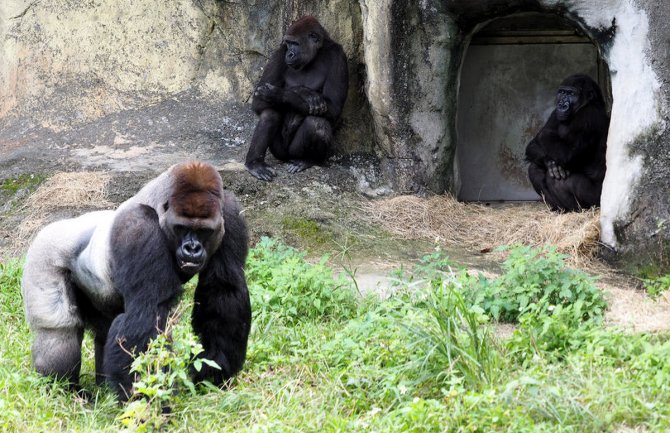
508, 81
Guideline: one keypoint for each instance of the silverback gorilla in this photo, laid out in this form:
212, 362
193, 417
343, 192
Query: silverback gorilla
298, 100
120, 272
567, 156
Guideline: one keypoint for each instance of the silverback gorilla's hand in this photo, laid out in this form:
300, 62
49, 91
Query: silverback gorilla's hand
260, 170
556, 171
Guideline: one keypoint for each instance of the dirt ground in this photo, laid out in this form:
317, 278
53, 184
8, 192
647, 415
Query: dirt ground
322, 210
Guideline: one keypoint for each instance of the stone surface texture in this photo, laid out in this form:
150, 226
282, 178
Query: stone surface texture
71, 69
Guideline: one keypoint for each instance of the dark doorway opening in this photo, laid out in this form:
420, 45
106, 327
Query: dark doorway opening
508, 81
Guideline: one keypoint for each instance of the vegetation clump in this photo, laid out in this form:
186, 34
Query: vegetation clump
426, 358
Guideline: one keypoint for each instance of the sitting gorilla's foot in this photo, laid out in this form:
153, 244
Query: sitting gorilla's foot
298, 165
260, 170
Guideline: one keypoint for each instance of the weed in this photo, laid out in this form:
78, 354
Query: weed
284, 286
161, 374
657, 286
459, 342
24, 181
307, 230
535, 279
360, 365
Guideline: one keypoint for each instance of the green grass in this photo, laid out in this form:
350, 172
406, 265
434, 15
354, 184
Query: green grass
24, 181
423, 360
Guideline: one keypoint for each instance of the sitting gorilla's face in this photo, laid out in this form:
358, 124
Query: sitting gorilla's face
303, 41
567, 99
576, 92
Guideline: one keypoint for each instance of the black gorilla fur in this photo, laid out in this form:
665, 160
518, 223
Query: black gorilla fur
567, 156
120, 273
299, 99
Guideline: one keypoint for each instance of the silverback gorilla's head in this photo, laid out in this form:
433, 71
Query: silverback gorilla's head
193, 222
575, 92
303, 40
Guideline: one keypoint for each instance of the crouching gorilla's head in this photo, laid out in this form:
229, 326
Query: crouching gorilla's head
193, 222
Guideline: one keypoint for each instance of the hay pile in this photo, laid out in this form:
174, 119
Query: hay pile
82, 190
444, 219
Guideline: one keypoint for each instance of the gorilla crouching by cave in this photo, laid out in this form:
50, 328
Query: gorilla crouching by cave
299, 100
120, 273
567, 156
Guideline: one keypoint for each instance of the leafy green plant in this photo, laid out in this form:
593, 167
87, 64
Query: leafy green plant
559, 330
419, 416
535, 279
366, 372
161, 375
458, 337
657, 286
287, 287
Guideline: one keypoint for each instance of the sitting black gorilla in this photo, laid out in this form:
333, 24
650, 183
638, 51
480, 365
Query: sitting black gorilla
298, 100
567, 156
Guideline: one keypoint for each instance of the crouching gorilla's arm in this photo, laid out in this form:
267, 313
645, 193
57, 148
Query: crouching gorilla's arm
143, 272
222, 311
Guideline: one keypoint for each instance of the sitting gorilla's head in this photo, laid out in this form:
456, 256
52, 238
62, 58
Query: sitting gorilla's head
303, 40
575, 92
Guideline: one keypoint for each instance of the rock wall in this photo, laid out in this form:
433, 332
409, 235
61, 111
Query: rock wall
65, 62
640, 226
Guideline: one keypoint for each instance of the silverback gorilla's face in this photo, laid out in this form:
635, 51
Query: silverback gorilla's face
193, 221
193, 240
195, 244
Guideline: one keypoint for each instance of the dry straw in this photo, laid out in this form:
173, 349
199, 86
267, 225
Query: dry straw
482, 227
80, 190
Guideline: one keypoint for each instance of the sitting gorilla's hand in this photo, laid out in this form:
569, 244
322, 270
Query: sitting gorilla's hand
315, 102
268, 92
556, 171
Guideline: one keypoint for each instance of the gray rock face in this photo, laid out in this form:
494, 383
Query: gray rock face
64, 63
70, 65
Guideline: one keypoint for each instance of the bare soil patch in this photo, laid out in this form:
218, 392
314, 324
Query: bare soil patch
343, 209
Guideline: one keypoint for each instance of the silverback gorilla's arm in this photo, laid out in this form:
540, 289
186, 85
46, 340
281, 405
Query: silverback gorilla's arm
222, 310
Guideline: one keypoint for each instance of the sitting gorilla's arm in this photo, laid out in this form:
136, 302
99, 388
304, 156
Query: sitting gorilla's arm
273, 75
222, 311
336, 84
300, 99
